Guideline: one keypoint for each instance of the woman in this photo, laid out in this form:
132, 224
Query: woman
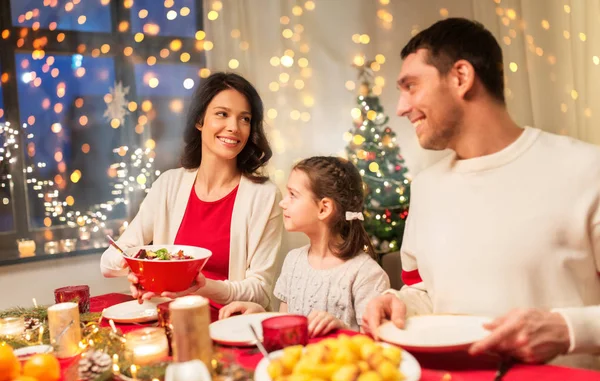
218, 200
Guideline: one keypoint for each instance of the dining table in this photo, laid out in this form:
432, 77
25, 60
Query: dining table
452, 366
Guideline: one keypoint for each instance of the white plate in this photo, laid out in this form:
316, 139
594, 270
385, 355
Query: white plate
234, 331
409, 366
26, 352
436, 333
133, 312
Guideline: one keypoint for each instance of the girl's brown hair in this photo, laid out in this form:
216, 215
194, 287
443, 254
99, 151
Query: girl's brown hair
339, 180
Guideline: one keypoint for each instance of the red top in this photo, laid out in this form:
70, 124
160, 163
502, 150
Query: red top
208, 225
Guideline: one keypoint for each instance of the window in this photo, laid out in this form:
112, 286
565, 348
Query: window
7, 138
175, 18
83, 16
94, 96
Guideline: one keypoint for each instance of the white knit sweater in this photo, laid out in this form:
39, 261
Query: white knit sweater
519, 228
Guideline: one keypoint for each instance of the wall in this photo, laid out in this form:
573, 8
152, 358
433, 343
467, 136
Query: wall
20, 283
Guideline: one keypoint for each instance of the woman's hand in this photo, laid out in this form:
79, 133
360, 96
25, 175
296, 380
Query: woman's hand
140, 294
199, 282
321, 323
243, 308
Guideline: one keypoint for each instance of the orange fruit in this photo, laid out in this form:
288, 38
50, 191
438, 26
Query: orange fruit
43, 367
25, 378
10, 367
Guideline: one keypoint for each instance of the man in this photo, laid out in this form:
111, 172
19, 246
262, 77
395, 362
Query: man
509, 222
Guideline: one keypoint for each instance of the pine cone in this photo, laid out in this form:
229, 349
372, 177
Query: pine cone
32, 323
93, 364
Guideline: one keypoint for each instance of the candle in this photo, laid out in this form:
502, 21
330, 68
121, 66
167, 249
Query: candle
12, 326
65, 331
190, 319
84, 234
147, 345
68, 245
51, 247
26, 247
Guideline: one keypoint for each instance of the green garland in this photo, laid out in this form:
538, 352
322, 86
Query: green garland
40, 313
106, 340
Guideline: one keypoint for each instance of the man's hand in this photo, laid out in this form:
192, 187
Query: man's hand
531, 335
383, 307
244, 308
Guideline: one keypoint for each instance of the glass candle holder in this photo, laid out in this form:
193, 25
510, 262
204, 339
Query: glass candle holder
12, 326
76, 294
26, 247
51, 247
284, 331
147, 345
84, 234
68, 245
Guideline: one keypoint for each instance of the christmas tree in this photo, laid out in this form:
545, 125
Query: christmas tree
372, 148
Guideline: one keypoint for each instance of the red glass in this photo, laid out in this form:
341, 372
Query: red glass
284, 331
76, 294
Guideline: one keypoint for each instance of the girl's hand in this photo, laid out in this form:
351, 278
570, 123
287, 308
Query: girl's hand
243, 308
140, 294
321, 323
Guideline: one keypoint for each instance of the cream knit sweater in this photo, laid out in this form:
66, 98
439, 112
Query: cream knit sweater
256, 228
516, 229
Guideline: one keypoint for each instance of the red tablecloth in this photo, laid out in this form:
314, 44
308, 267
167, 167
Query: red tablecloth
442, 367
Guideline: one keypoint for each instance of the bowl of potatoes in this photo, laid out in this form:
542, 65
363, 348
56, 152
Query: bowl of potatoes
343, 358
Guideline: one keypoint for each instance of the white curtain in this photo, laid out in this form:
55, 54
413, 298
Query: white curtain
551, 50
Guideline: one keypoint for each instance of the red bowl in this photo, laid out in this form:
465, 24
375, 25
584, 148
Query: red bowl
173, 275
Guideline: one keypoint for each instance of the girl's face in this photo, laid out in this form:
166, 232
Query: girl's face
300, 210
226, 125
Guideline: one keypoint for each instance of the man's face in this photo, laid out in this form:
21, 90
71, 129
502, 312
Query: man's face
428, 101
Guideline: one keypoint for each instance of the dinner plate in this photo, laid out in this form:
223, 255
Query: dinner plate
436, 333
133, 312
235, 331
409, 366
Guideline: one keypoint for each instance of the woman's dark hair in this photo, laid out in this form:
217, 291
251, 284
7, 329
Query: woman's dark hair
257, 151
453, 39
339, 180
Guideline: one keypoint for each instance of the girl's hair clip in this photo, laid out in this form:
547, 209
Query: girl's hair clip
354, 216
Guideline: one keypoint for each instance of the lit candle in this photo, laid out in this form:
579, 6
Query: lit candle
51, 247
68, 245
148, 345
12, 326
190, 318
65, 331
26, 247
84, 234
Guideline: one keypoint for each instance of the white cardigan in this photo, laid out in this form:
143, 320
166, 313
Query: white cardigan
256, 229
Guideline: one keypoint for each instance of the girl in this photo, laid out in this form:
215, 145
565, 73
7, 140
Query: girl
219, 200
331, 279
